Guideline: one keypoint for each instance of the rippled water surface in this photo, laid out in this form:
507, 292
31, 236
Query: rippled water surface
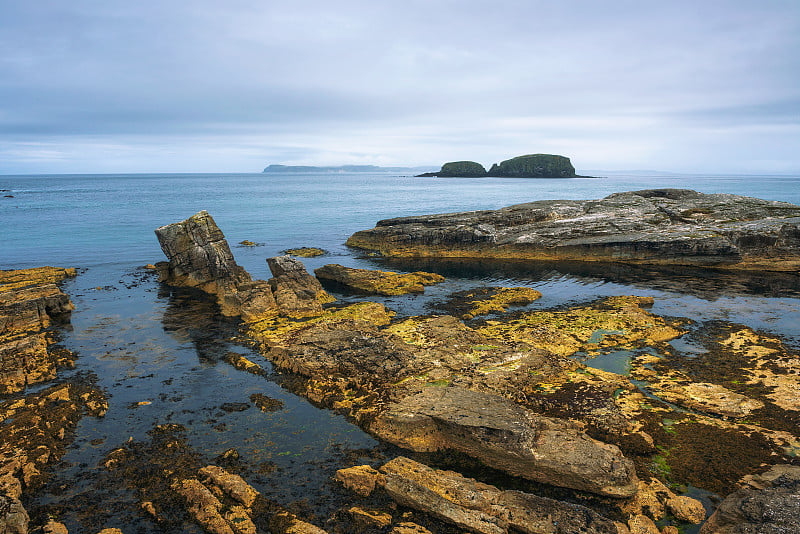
159, 353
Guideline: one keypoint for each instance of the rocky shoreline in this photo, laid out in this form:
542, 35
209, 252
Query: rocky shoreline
648, 227
496, 421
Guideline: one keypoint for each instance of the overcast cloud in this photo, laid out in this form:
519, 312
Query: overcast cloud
208, 86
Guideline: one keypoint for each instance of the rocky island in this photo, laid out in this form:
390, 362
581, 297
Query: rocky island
654, 227
530, 166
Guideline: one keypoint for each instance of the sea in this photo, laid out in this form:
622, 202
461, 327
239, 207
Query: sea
158, 353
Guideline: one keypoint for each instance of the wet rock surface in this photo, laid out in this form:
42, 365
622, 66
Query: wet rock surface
768, 503
30, 302
376, 282
658, 226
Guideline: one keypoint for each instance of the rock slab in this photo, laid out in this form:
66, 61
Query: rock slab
482, 508
654, 226
509, 437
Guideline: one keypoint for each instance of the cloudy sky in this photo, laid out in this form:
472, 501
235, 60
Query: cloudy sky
209, 86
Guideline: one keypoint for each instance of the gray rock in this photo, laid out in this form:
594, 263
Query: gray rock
508, 437
768, 504
656, 226
482, 508
13, 517
199, 257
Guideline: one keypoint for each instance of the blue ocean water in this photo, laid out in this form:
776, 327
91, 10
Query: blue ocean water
147, 344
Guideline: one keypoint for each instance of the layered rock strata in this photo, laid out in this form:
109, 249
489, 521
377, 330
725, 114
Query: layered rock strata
371, 282
655, 226
30, 301
199, 257
506, 436
482, 508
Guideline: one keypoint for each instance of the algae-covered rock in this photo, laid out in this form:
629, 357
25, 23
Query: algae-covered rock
534, 166
506, 436
462, 169
376, 282
30, 302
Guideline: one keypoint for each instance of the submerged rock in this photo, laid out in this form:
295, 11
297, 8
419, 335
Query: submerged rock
506, 436
377, 282
657, 226
482, 508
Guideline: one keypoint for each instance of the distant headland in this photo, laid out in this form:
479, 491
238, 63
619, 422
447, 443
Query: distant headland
529, 166
341, 168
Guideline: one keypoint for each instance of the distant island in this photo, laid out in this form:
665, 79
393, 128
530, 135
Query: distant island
341, 168
529, 166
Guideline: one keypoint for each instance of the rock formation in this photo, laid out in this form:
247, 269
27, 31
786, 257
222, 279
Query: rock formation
534, 166
530, 166
462, 169
768, 503
482, 508
506, 436
371, 282
30, 301
199, 257
657, 227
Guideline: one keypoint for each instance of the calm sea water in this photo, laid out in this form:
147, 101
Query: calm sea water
145, 343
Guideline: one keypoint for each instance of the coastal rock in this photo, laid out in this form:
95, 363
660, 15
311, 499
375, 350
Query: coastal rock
30, 302
483, 508
296, 292
360, 479
687, 509
768, 503
655, 226
506, 436
534, 166
13, 517
705, 397
376, 282
199, 257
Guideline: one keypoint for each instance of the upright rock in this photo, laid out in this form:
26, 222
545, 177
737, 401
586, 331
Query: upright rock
296, 292
199, 257
506, 436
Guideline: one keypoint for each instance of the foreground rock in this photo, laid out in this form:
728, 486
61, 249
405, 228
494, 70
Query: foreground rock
768, 503
199, 257
658, 226
482, 508
506, 436
376, 282
30, 302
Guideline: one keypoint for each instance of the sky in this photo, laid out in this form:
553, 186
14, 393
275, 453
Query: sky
109, 86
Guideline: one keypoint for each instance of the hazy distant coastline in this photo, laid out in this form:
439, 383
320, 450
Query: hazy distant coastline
344, 168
